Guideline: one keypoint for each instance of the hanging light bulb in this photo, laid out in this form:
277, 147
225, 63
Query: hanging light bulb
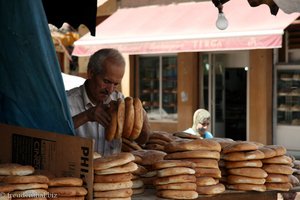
221, 22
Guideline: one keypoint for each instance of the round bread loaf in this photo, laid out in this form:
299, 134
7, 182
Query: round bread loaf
112, 178
111, 130
293, 180
120, 118
172, 163
177, 194
223, 141
212, 172
132, 144
197, 144
246, 155
65, 181
138, 119
277, 178
149, 156
175, 179
206, 181
269, 153
245, 163
140, 170
146, 130
171, 171
278, 160
247, 187
137, 183
161, 135
204, 162
240, 146
185, 135
211, 189
279, 149
236, 179
157, 141
177, 186
193, 154
129, 167
7, 169
68, 191
129, 117
22, 186
113, 160
127, 192
253, 172
155, 147
279, 186
112, 186
126, 148
278, 169
26, 179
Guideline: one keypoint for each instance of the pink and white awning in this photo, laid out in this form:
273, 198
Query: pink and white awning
187, 27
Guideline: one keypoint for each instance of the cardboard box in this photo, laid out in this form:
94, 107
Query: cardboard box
62, 155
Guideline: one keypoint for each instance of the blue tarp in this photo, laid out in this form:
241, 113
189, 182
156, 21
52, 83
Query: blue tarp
32, 93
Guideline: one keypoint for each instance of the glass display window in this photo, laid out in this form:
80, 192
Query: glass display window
288, 97
158, 86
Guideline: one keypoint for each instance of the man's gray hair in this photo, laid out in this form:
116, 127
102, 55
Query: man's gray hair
101, 58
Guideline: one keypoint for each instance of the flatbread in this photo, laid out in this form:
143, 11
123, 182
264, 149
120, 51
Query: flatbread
15, 169
65, 181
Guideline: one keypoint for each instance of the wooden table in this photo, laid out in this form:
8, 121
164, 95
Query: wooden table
149, 194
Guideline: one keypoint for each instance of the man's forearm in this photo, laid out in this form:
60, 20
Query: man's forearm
80, 119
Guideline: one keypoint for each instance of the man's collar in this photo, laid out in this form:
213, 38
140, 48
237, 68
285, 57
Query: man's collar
86, 100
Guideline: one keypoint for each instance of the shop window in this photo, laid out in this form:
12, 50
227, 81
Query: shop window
158, 86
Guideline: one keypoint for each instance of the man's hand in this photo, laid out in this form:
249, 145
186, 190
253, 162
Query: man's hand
99, 113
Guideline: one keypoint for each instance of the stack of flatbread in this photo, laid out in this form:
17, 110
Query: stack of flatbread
112, 176
278, 167
158, 140
19, 181
127, 118
66, 188
138, 186
175, 179
244, 166
205, 154
223, 142
146, 158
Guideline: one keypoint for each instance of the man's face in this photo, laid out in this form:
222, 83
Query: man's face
102, 85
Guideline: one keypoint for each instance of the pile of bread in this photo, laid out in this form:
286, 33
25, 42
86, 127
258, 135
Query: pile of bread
127, 118
221, 163
113, 176
205, 155
250, 166
21, 182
